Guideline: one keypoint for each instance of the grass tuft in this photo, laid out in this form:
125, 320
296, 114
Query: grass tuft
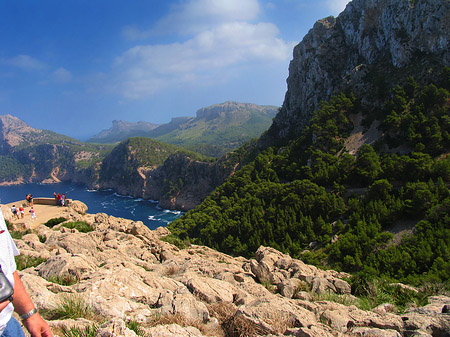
88, 331
65, 280
72, 306
136, 327
25, 261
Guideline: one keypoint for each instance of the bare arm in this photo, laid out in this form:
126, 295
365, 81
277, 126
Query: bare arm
4, 304
23, 304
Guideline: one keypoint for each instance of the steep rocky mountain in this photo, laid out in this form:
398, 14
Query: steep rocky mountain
122, 130
214, 131
372, 46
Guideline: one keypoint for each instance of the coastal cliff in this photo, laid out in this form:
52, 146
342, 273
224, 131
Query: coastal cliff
129, 282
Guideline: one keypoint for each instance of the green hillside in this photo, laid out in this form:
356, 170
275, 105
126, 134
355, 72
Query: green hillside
314, 200
215, 131
220, 128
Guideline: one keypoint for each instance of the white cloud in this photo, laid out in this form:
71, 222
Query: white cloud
193, 16
221, 39
209, 55
337, 6
62, 75
24, 62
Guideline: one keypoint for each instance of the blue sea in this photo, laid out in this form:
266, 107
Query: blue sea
106, 201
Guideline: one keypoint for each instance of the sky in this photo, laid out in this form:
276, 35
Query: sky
74, 66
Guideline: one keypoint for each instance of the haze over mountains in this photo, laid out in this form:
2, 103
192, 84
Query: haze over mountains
214, 131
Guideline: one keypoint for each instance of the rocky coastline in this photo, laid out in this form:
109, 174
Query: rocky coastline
125, 273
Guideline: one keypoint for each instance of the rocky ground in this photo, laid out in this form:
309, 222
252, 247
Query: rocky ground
125, 280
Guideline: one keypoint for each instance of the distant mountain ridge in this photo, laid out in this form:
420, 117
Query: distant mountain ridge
16, 133
121, 130
214, 131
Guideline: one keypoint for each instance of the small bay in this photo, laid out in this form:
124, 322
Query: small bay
104, 201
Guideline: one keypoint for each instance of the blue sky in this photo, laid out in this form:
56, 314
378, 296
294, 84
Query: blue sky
73, 66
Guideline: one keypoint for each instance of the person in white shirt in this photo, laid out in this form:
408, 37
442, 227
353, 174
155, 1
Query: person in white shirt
21, 301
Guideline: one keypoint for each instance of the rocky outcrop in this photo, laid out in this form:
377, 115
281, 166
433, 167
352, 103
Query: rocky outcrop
371, 46
123, 272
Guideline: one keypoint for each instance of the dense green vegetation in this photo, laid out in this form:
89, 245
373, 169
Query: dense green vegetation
11, 169
315, 201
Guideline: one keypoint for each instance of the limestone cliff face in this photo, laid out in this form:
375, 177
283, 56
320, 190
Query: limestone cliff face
183, 183
370, 45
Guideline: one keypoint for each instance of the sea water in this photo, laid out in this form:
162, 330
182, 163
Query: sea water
103, 201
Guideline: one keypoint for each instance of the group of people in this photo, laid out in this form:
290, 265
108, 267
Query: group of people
19, 212
60, 199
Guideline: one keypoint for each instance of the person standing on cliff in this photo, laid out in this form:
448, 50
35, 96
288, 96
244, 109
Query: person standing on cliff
21, 301
22, 211
33, 214
14, 212
29, 199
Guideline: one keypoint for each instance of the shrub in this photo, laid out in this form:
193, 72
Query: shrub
81, 226
374, 292
174, 240
55, 221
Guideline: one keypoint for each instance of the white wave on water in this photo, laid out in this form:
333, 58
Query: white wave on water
172, 212
122, 196
153, 218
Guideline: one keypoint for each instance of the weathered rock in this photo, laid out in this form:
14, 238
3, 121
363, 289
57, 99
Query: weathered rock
115, 328
128, 277
428, 319
289, 287
78, 206
374, 332
211, 290
66, 265
173, 330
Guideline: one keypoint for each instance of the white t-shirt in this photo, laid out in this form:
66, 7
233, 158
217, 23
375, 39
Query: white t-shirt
8, 250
